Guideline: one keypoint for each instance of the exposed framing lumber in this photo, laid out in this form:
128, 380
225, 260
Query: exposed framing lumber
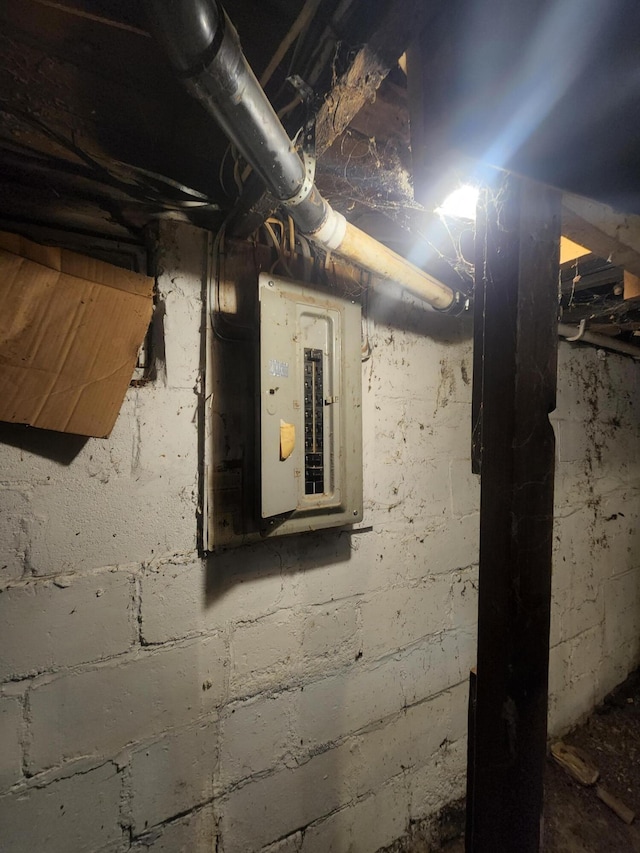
603, 230
397, 24
77, 11
515, 354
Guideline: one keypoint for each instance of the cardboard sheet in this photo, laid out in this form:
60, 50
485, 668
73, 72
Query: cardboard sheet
70, 330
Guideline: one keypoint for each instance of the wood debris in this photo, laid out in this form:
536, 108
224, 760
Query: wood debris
616, 805
576, 763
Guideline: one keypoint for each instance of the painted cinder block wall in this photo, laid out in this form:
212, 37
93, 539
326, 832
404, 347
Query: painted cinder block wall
307, 694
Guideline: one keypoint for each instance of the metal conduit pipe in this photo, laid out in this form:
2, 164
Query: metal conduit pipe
575, 334
205, 51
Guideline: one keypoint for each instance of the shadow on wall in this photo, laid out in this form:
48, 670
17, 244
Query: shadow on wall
390, 305
282, 557
59, 447
289, 660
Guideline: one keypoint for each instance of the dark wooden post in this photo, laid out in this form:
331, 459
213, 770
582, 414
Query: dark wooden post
518, 234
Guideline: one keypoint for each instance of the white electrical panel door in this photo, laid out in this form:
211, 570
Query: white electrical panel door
310, 406
280, 402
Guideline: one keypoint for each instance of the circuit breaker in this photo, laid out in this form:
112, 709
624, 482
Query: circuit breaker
310, 429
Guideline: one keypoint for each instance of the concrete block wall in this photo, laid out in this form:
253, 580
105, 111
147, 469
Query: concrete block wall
595, 625
303, 695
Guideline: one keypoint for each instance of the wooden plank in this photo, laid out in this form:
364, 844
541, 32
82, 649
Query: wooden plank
397, 23
122, 15
576, 763
571, 251
603, 230
99, 15
515, 333
631, 285
386, 118
616, 805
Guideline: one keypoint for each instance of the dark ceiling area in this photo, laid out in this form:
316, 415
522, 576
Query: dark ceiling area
97, 135
98, 138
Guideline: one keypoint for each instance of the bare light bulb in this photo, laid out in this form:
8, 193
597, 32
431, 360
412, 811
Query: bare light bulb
461, 203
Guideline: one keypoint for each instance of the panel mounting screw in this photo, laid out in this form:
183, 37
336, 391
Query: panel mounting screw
355, 512
270, 284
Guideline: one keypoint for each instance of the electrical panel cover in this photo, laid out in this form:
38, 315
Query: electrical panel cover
310, 408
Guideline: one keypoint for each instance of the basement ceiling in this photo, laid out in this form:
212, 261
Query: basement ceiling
98, 139
96, 134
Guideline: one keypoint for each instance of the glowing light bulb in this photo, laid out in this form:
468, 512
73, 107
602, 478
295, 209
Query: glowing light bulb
461, 203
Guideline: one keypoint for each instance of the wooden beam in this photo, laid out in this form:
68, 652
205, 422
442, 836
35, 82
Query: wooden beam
396, 27
603, 230
76, 9
571, 251
397, 24
515, 354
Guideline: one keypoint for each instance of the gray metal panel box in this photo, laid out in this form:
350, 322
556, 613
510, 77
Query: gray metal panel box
310, 408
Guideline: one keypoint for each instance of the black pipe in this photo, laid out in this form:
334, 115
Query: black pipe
204, 48
205, 51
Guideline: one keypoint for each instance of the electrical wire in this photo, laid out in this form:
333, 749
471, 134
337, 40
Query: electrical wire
277, 246
121, 176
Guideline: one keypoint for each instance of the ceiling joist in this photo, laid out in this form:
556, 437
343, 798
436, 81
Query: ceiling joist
396, 25
607, 233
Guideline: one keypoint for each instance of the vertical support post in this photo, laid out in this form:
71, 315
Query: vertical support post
517, 245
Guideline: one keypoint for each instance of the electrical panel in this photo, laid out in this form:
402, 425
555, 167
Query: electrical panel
310, 432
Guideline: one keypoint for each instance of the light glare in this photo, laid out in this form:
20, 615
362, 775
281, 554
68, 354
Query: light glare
461, 203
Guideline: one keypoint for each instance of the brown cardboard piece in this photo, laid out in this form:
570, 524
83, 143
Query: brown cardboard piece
70, 331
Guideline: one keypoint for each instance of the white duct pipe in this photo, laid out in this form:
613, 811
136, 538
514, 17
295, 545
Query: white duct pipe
575, 334
361, 249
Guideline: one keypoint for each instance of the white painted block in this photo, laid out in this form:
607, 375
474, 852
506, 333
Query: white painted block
172, 775
188, 596
362, 561
331, 708
125, 499
364, 826
451, 544
48, 625
329, 635
80, 813
291, 646
194, 833
435, 665
464, 597
267, 809
173, 600
11, 732
407, 741
291, 844
442, 780
265, 652
256, 736
99, 711
396, 618
182, 265
14, 509
465, 488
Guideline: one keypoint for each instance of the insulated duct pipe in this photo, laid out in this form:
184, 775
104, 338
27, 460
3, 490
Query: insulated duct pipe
204, 49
